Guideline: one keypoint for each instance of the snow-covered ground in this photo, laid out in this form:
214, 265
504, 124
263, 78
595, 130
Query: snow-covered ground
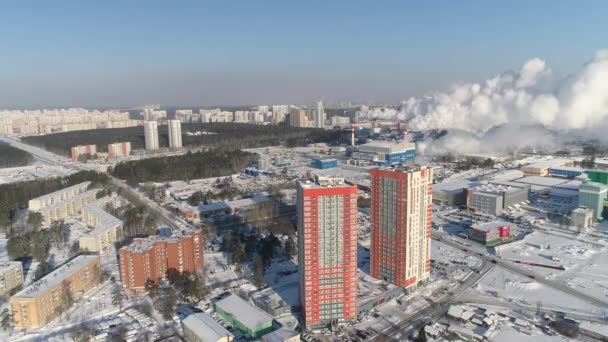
509, 287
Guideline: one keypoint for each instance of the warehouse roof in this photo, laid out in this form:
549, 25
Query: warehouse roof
56, 277
205, 326
236, 204
487, 226
247, 314
542, 181
280, 335
454, 185
548, 163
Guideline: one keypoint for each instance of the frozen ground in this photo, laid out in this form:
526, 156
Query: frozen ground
506, 332
509, 287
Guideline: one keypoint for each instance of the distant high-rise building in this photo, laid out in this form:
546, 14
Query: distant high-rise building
401, 218
151, 135
279, 112
327, 251
320, 115
175, 133
297, 117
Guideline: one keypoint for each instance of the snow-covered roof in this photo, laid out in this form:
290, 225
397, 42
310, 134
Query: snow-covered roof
206, 327
247, 314
236, 204
283, 334
488, 226
57, 276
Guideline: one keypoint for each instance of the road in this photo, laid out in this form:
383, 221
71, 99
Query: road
523, 271
414, 321
44, 156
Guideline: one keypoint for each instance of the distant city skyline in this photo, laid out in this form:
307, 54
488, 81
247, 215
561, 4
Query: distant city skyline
199, 53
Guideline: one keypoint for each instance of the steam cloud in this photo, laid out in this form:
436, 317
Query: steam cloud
530, 97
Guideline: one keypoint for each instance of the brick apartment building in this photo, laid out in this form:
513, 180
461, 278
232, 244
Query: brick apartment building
150, 258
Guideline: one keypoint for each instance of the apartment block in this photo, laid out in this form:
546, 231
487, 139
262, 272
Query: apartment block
175, 133
40, 302
83, 150
58, 196
119, 149
150, 258
11, 276
401, 218
108, 229
327, 251
151, 135
63, 203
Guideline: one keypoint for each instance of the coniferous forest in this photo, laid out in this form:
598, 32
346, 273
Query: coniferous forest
13, 157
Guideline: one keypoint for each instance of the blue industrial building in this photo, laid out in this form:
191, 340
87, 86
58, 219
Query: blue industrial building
566, 172
324, 163
386, 153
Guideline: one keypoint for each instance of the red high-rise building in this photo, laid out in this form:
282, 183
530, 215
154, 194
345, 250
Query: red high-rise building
401, 218
327, 250
150, 258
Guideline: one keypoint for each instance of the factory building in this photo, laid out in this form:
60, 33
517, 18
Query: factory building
597, 176
401, 218
542, 168
150, 258
385, 153
151, 135
175, 133
200, 327
566, 172
282, 334
42, 301
324, 163
493, 198
271, 302
251, 321
581, 218
119, 149
592, 195
491, 233
108, 229
11, 276
327, 251
452, 192
83, 150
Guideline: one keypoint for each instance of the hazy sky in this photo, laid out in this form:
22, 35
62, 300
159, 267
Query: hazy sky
126, 53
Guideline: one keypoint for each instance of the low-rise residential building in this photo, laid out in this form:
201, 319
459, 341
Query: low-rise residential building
150, 258
84, 150
200, 327
58, 196
69, 207
243, 316
11, 276
108, 229
40, 302
119, 149
491, 233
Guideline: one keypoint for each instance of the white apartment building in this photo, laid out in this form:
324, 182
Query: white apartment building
151, 135
175, 133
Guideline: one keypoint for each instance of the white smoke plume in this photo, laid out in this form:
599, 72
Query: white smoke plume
530, 96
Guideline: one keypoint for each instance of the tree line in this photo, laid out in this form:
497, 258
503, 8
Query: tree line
205, 164
13, 157
235, 135
14, 196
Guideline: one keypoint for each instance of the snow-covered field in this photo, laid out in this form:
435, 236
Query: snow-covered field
509, 287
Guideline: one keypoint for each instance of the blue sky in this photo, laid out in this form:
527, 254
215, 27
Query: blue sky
127, 53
